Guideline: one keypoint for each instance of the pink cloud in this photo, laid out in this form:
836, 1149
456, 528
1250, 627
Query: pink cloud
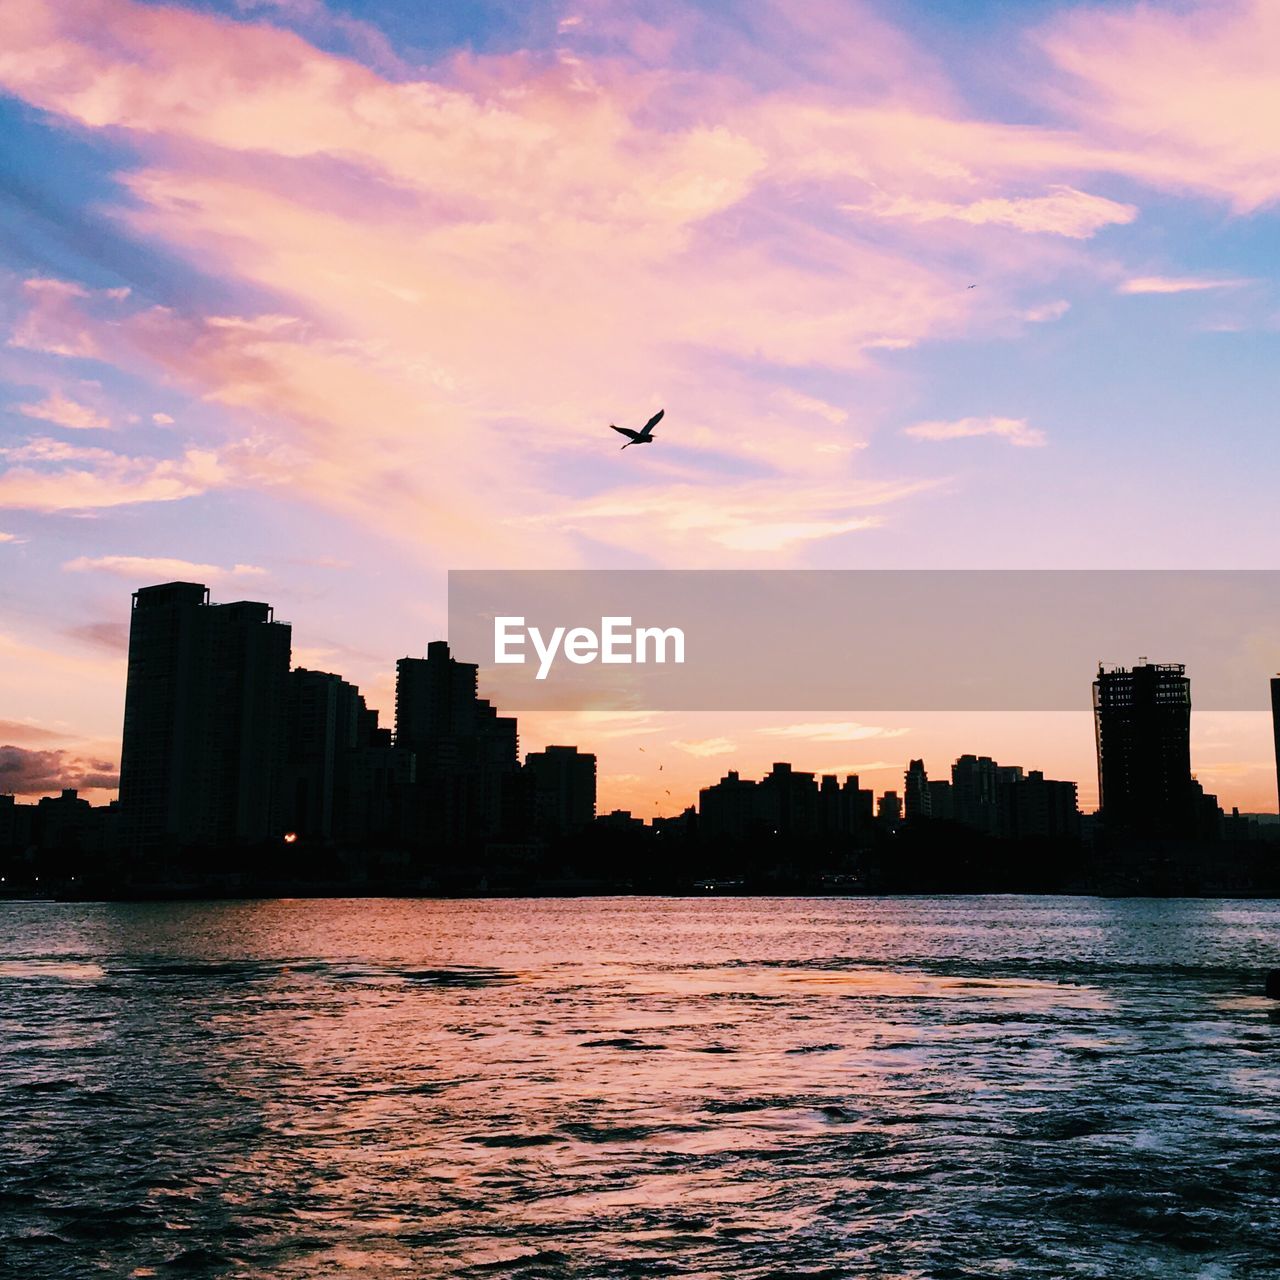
1065, 212
1186, 97
1014, 430
45, 326
530, 247
1177, 284
72, 478
64, 412
691, 526
155, 568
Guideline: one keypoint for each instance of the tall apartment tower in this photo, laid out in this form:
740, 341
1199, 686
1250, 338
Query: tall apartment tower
204, 719
324, 717
917, 797
1275, 729
1142, 717
441, 719
466, 756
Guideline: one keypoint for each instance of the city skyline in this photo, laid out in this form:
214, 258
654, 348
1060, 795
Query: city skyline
282, 283
221, 676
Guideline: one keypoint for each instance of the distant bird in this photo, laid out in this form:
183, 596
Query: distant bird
972, 286
644, 435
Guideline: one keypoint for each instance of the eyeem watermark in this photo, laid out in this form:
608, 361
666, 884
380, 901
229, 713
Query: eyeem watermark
857, 640
616, 643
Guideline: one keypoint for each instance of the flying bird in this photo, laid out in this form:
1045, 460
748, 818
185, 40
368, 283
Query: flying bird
644, 435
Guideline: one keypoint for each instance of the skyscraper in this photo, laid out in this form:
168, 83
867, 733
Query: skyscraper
1275, 729
324, 718
441, 718
1142, 717
467, 756
917, 797
204, 719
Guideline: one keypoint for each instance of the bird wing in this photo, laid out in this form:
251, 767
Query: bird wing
647, 429
626, 431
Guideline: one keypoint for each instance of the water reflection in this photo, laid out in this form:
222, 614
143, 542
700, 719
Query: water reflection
619, 1087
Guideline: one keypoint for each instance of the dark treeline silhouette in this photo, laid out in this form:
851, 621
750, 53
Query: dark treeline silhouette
240, 775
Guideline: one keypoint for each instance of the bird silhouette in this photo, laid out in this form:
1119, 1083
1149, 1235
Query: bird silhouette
644, 435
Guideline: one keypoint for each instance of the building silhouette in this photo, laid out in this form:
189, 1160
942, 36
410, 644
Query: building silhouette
994, 799
917, 798
204, 723
727, 809
889, 811
942, 806
785, 802
224, 745
344, 780
978, 786
1275, 729
1040, 808
468, 785
1142, 717
563, 781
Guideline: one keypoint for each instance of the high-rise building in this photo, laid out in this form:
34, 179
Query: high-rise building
441, 718
917, 797
889, 810
1142, 717
977, 785
344, 779
727, 809
564, 789
1275, 728
787, 801
204, 721
941, 801
324, 717
1036, 807
467, 756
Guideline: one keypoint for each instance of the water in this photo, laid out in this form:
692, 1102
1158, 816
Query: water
944, 1087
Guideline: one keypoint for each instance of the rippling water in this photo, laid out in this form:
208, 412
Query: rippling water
940, 1087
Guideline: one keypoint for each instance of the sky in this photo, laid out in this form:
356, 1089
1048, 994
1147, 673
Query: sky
315, 302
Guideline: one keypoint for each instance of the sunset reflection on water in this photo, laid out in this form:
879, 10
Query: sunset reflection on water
909, 1087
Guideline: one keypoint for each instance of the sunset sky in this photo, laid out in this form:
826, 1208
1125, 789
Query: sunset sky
314, 302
